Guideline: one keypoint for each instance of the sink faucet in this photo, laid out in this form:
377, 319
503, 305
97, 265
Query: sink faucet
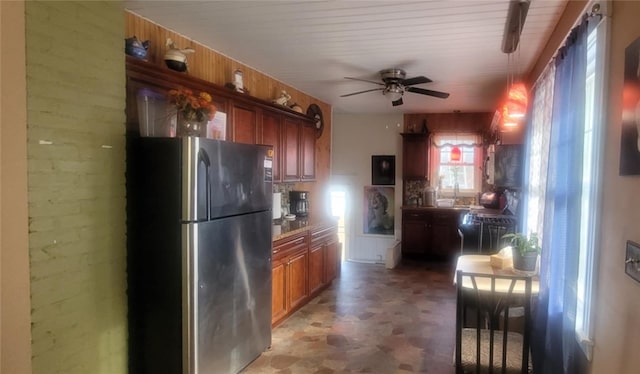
456, 190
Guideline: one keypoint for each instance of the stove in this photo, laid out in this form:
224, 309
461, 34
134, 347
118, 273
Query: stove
482, 232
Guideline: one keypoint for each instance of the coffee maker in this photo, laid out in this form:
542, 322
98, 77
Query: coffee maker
299, 203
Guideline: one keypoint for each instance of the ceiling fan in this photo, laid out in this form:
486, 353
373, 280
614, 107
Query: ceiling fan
395, 85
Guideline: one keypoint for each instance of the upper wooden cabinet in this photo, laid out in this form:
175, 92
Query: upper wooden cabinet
299, 151
291, 130
271, 134
249, 120
308, 153
415, 156
244, 123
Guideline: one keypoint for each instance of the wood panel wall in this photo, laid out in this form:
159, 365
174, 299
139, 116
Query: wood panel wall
209, 65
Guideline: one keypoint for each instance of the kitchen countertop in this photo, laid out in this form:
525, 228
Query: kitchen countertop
476, 209
414, 207
286, 228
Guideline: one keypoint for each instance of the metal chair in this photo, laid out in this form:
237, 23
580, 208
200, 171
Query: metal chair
491, 346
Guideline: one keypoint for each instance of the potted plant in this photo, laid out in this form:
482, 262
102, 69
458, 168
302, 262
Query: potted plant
525, 250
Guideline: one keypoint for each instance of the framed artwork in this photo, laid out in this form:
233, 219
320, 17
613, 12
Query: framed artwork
629, 139
383, 170
378, 206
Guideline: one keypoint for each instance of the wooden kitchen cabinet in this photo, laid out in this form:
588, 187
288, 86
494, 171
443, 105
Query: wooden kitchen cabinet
299, 151
271, 134
316, 267
303, 265
279, 304
431, 232
297, 274
244, 124
323, 257
415, 233
415, 156
291, 150
250, 120
290, 287
308, 153
333, 258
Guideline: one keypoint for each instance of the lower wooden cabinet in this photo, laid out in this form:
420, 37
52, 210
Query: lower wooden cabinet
289, 275
431, 232
323, 257
297, 276
303, 265
334, 257
316, 267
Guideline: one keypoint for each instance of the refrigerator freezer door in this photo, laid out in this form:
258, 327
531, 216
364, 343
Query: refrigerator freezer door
230, 314
221, 179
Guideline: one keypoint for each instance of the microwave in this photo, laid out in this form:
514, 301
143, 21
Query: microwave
503, 165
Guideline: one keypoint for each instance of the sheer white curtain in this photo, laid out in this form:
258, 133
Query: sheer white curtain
540, 132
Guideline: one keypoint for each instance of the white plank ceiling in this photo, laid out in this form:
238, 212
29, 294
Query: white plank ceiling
313, 45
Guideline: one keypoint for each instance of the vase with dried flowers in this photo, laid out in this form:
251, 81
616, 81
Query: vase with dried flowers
193, 112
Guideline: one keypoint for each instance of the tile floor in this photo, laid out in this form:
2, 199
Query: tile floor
370, 320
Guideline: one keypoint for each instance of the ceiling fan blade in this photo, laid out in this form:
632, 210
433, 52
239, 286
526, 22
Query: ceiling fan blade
397, 102
359, 92
416, 80
364, 80
442, 95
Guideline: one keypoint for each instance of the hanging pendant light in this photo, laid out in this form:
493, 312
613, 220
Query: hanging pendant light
517, 100
514, 108
456, 154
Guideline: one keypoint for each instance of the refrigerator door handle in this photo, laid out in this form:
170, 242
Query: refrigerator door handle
204, 158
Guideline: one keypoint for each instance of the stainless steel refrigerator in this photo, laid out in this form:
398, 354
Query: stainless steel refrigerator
199, 254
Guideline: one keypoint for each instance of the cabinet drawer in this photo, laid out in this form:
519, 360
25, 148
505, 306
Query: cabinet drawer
416, 216
287, 246
323, 234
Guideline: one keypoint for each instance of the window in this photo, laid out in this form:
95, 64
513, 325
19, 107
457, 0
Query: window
591, 184
466, 172
592, 174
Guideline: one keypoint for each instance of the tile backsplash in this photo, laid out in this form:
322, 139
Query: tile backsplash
284, 188
415, 188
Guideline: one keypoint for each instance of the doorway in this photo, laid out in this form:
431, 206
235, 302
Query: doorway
338, 196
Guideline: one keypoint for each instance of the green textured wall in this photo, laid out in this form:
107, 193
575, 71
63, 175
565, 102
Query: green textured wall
76, 163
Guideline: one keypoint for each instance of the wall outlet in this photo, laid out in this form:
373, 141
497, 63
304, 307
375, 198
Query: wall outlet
632, 260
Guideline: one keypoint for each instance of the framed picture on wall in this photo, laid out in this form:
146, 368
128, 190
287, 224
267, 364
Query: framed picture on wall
383, 170
630, 131
378, 210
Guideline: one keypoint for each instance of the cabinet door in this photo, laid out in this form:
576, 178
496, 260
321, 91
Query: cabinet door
279, 307
415, 158
444, 240
440, 244
272, 135
297, 279
414, 237
332, 263
308, 153
245, 124
291, 150
316, 267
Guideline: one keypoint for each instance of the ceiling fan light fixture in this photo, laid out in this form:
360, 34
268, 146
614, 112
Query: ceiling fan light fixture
393, 92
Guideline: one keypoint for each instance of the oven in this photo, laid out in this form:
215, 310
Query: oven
481, 232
